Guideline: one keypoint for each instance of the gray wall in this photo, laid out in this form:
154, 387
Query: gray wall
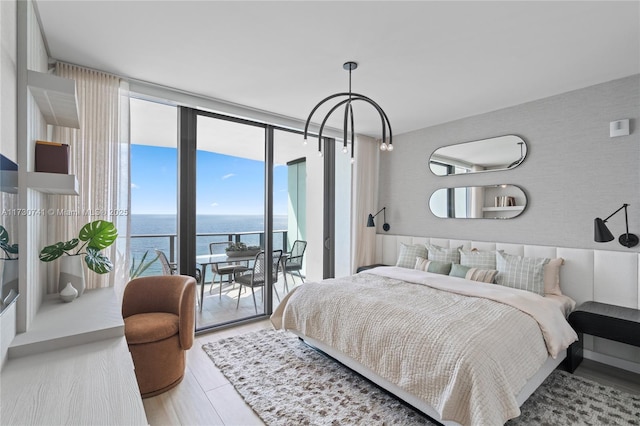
573, 173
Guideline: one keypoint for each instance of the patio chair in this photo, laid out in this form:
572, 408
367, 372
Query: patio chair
293, 261
255, 277
171, 268
168, 268
222, 270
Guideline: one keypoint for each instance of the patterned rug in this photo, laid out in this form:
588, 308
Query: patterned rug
288, 383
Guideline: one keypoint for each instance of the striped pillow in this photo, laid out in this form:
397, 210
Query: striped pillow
473, 274
482, 275
478, 259
524, 273
409, 254
434, 266
441, 254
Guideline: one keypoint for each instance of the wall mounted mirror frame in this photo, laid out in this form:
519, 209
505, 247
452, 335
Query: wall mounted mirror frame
478, 202
485, 155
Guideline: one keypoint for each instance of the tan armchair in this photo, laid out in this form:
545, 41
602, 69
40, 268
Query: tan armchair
159, 325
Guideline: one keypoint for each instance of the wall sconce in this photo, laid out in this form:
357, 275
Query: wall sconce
371, 224
603, 235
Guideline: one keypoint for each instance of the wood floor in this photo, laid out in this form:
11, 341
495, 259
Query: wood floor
205, 396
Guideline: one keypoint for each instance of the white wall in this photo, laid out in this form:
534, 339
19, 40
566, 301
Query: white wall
573, 173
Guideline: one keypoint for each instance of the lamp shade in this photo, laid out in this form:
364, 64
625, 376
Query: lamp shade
370, 223
601, 232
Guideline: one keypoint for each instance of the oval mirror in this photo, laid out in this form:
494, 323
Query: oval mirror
486, 155
478, 202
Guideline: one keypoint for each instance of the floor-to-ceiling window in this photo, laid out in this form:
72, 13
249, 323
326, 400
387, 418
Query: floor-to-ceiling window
154, 180
248, 182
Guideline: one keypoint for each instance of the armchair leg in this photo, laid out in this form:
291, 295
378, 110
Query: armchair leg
220, 290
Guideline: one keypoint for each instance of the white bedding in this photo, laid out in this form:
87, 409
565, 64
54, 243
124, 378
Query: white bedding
465, 356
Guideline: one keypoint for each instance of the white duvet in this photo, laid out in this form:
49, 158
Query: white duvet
465, 348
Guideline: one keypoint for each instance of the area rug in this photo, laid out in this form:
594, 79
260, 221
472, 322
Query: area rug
287, 382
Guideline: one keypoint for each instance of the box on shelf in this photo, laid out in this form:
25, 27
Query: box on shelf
52, 157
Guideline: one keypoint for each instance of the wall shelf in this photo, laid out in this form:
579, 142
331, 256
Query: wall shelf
53, 183
502, 209
56, 98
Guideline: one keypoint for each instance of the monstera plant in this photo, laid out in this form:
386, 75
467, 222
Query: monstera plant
10, 250
95, 236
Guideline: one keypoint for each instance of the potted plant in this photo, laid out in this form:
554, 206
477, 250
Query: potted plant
137, 270
8, 249
96, 236
241, 249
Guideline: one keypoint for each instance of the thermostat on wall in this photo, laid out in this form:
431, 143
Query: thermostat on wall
619, 128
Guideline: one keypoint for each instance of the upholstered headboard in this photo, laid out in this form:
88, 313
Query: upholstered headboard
604, 276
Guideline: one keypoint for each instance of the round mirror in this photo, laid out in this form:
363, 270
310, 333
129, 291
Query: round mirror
478, 202
486, 155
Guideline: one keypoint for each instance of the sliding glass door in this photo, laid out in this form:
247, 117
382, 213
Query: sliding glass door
247, 185
230, 216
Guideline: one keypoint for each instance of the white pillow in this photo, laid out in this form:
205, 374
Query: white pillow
552, 276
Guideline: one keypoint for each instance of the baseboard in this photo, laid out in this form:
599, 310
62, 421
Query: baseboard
634, 367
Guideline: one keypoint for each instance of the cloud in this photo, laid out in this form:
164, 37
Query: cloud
214, 204
227, 176
134, 186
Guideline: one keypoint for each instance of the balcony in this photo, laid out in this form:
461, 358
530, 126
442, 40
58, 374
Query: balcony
218, 307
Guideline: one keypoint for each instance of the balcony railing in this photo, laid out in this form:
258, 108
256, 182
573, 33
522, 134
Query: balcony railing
141, 243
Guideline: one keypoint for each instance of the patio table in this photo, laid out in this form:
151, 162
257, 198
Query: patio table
211, 259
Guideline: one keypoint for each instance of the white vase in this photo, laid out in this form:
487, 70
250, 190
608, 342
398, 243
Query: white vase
71, 271
69, 293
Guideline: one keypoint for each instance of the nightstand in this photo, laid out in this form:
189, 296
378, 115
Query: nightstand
602, 320
364, 268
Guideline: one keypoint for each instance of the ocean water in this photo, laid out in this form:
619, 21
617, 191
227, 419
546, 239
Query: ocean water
150, 232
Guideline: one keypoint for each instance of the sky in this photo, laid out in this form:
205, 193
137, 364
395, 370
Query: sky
224, 184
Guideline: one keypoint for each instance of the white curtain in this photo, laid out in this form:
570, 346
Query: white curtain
365, 201
100, 160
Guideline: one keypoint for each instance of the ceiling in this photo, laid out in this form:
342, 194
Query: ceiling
423, 62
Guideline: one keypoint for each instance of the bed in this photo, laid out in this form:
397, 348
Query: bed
461, 351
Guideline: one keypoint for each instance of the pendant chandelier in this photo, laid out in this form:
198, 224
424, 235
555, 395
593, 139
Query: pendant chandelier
348, 116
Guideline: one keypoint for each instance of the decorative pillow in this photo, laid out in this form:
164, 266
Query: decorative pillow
482, 275
524, 273
434, 266
441, 254
478, 259
458, 270
552, 276
474, 274
409, 253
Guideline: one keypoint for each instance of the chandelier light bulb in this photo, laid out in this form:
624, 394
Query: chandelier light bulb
344, 149
319, 153
353, 160
383, 146
304, 141
390, 147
